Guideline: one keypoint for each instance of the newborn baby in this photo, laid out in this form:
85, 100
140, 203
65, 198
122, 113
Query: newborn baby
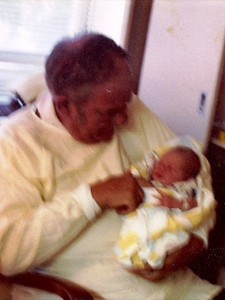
173, 207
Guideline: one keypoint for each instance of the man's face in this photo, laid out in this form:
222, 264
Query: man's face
96, 120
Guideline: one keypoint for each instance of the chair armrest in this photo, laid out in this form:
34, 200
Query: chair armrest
15, 103
61, 287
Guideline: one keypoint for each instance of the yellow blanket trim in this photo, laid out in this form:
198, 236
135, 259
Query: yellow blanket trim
128, 241
137, 262
194, 218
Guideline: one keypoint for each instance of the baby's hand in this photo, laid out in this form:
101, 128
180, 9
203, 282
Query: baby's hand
171, 202
192, 203
167, 201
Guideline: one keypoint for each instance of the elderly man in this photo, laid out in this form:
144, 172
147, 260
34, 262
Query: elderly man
64, 163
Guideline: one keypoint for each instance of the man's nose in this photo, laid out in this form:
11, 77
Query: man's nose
120, 119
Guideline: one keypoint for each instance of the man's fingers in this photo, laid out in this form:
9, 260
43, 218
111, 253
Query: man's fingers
149, 274
123, 209
131, 205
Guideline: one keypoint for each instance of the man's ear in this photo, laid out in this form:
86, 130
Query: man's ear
61, 104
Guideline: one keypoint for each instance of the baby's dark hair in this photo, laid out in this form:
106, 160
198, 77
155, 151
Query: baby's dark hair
194, 165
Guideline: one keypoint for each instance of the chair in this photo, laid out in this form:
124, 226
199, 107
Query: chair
15, 103
67, 290
208, 265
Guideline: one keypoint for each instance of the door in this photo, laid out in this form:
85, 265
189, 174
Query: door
181, 64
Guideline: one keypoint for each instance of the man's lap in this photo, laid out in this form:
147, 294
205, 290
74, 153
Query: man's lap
91, 262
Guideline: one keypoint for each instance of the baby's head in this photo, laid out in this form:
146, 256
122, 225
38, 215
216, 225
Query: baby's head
179, 164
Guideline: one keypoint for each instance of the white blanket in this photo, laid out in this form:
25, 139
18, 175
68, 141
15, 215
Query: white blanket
92, 263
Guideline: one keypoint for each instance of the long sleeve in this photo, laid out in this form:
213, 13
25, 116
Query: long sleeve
34, 224
45, 178
44, 186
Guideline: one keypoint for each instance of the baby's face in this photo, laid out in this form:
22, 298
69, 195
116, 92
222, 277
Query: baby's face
170, 168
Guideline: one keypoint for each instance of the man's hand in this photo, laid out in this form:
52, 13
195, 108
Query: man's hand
182, 257
121, 193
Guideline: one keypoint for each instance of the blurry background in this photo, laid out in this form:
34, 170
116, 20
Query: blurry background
30, 28
176, 49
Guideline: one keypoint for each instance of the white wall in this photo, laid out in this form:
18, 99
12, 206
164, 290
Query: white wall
181, 62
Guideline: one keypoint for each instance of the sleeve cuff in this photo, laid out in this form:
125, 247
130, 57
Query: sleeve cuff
84, 197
